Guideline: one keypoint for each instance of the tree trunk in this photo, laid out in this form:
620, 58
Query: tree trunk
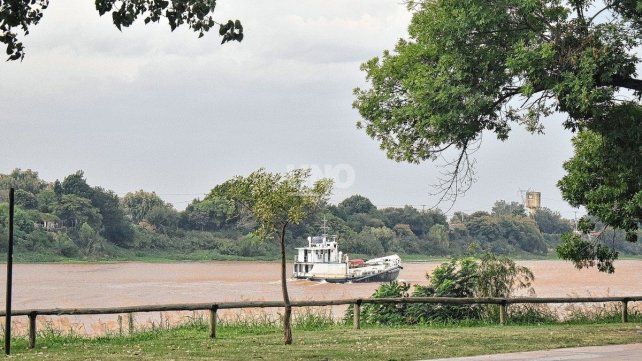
287, 329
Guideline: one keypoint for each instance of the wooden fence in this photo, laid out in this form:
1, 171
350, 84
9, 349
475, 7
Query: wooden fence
356, 302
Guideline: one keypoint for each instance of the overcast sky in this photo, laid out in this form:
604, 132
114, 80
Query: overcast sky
162, 111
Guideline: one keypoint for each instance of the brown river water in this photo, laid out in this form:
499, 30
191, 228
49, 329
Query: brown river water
129, 284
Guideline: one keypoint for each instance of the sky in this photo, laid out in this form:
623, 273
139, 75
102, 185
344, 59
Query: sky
164, 111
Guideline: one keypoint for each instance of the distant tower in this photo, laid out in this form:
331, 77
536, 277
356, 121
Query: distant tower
532, 202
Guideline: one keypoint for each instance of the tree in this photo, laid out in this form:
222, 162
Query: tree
500, 276
116, 227
26, 182
47, 200
139, 203
439, 233
478, 65
605, 175
89, 240
551, 222
503, 208
163, 218
20, 15
76, 184
276, 201
419, 221
356, 204
74, 211
26, 199
584, 250
212, 213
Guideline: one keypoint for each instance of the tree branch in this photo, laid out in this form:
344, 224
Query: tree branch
629, 83
590, 21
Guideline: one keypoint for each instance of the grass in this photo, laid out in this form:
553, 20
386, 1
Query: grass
328, 342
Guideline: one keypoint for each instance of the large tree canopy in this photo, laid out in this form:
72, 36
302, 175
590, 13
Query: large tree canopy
20, 15
486, 65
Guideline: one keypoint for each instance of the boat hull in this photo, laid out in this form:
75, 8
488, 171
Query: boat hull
384, 276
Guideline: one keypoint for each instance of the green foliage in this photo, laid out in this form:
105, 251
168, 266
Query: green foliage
356, 204
163, 218
137, 204
505, 232
66, 246
212, 213
551, 222
276, 200
26, 180
73, 211
456, 278
501, 276
384, 314
474, 66
77, 185
47, 200
502, 208
439, 233
88, 240
115, 226
487, 276
604, 175
586, 253
196, 15
217, 228
23, 223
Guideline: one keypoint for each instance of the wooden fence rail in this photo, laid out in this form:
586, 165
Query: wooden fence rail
357, 302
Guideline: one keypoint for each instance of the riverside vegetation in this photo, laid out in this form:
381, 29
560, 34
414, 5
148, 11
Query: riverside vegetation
71, 220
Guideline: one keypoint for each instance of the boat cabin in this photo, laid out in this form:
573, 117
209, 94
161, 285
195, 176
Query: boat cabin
322, 255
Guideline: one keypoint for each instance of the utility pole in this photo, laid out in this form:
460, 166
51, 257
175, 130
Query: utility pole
7, 325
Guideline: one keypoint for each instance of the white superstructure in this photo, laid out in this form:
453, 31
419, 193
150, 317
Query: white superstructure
322, 260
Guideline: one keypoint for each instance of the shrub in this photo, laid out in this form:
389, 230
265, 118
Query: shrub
488, 276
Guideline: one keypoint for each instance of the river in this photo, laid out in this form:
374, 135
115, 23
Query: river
132, 283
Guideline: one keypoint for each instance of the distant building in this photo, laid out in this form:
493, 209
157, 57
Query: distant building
533, 202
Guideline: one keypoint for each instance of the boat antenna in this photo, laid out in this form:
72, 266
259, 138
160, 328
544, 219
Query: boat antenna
325, 227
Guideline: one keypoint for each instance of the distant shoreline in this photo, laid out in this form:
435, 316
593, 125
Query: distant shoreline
168, 259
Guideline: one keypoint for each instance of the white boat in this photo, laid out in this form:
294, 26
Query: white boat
321, 260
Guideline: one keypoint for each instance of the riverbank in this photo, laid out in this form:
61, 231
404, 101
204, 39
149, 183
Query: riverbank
176, 256
203, 256
333, 342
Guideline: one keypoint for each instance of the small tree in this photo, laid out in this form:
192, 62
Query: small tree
276, 201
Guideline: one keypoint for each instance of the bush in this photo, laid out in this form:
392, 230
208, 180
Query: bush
384, 314
66, 246
488, 276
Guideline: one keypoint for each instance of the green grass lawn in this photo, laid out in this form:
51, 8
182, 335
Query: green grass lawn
328, 343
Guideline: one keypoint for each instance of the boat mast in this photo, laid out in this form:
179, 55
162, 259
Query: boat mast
325, 227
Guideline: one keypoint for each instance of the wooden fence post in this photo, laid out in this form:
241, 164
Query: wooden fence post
213, 321
32, 329
120, 325
357, 315
130, 320
625, 312
503, 312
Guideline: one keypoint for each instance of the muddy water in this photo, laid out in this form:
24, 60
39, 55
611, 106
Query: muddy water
126, 284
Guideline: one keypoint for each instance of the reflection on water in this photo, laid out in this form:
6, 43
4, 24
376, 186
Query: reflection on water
127, 284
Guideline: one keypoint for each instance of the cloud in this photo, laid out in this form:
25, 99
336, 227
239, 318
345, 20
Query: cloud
169, 112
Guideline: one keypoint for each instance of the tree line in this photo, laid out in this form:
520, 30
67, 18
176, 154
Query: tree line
69, 218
